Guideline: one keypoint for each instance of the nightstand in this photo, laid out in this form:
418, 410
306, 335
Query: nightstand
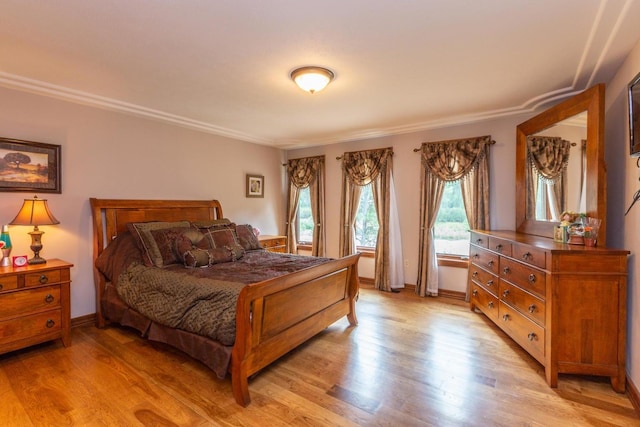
35, 304
273, 243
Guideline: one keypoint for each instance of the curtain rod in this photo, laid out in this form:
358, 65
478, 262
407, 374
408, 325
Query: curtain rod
416, 150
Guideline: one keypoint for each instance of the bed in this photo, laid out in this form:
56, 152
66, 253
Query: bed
272, 316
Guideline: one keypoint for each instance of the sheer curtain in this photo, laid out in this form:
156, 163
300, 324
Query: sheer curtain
307, 172
466, 160
373, 167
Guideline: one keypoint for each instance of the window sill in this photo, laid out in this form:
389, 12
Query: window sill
457, 261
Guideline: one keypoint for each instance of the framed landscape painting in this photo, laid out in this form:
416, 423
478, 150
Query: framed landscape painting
29, 166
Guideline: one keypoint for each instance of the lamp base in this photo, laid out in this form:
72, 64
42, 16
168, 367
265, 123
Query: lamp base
36, 246
36, 260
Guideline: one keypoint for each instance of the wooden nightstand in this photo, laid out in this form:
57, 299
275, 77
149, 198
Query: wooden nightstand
274, 243
35, 304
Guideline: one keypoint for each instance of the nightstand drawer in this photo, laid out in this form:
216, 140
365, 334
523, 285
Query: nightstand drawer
42, 278
14, 304
29, 326
8, 282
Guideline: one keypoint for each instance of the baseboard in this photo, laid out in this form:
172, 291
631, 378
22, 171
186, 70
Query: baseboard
634, 396
83, 320
367, 282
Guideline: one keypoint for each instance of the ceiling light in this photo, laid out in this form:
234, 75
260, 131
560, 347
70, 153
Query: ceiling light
312, 79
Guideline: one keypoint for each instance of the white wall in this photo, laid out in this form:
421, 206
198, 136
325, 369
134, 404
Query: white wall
406, 170
623, 181
112, 155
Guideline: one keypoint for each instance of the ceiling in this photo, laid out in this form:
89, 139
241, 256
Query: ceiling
222, 66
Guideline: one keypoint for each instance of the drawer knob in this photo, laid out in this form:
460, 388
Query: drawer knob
532, 278
50, 323
506, 270
505, 293
475, 292
489, 282
479, 241
532, 308
490, 304
526, 255
505, 317
1, 286
532, 336
49, 298
476, 255
490, 263
499, 247
43, 279
474, 274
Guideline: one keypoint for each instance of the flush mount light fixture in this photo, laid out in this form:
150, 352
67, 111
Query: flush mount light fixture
312, 79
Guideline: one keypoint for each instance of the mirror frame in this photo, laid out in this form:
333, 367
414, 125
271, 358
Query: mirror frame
591, 101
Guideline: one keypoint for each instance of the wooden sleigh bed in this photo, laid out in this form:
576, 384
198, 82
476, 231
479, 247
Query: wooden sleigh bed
273, 316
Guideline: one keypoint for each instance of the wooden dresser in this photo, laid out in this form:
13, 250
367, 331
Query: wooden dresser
34, 304
566, 305
273, 243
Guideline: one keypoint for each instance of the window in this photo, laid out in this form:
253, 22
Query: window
305, 218
366, 220
451, 231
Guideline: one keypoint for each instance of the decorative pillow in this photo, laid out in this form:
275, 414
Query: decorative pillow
165, 239
195, 249
247, 238
141, 232
225, 238
224, 222
197, 257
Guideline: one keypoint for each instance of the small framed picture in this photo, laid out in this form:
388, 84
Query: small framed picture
255, 186
27, 166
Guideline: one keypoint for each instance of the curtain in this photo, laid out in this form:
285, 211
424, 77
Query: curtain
466, 160
362, 168
302, 173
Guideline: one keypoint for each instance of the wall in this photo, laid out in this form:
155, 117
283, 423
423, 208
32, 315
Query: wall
111, 155
406, 170
623, 181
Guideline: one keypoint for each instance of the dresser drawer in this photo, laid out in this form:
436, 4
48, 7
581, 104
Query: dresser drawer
484, 301
479, 240
528, 278
8, 282
270, 243
14, 304
483, 258
502, 246
484, 278
42, 278
524, 302
523, 331
28, 326
530, 255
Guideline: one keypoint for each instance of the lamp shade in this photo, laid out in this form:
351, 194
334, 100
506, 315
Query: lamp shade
34, 212
312, 79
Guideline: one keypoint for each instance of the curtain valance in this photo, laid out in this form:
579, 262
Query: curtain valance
362, 167
302, 172
452, 160
548, 155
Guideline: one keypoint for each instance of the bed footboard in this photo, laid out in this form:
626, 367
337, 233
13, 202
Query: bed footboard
277, 315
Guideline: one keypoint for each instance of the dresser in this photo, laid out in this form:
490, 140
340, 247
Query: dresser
566, 305
34, 304
273, 243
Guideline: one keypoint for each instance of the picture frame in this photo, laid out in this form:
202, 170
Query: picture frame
255, 186
29, 166
634, 116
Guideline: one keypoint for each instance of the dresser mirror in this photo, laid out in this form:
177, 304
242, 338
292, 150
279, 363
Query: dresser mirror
571, 175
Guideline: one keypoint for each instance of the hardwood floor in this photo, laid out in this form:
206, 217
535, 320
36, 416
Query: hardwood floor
410, 362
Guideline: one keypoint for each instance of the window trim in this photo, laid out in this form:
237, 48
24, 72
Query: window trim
456, 261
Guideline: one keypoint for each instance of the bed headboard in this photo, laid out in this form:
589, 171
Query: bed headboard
110, 216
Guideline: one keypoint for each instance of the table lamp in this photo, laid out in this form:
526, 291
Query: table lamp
35, 212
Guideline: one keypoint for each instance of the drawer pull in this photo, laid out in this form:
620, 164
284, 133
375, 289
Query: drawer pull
532, 308
490, 304
505, 293
1, 286
499, 248
49, 298
526, 256
476, 255
50, 323
43, 279
474, 274
532, 278
479, 241
506, 270
489, 282
490, 263
505, 317
532, 336
475, 292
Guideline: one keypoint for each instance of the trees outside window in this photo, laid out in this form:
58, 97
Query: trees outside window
451, 231
305, 218
366, 220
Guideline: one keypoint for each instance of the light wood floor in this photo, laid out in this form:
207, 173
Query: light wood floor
410, 362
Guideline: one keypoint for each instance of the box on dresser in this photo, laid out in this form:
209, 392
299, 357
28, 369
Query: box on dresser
564, 304
35, 304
